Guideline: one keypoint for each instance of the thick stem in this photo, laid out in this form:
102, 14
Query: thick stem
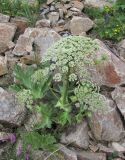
65, 90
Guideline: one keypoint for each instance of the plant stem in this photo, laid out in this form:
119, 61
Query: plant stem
65, 90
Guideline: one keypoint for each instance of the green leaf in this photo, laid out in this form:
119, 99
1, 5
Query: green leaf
64, 118
47, 114
37, 141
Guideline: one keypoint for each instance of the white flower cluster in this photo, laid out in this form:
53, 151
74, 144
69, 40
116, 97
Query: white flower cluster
69, 55
25, 98
40, 75
89, 97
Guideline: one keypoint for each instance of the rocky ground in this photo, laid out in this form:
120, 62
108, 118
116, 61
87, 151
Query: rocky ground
94, 139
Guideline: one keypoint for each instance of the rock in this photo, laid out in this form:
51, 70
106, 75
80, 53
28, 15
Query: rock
118, 147
49, 1
61, 22
78, 136
111, 71
53, 17
91, 156
61, 14
3, 66
78, 5
45, 40
83, 24
118, 96
43, 23
34, 119
121, 49
64, 154
105, 149
27, 59
7, 32
97, 3
42, 38
67, 153
4, 18
21, 23
52, 8
107, 126
11, 112
23, 46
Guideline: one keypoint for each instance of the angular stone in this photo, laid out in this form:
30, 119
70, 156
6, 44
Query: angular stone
91, 156
43, 23
78, 5
45, 40
121, 49
118, 96
118, 147
83, 24
4, 18
7, 32
21, 23
107, 125
67, 153
111, 71
53, 17
3, 66
23, 46
97, 3
78, 136
41, 37
10, 111
49, 1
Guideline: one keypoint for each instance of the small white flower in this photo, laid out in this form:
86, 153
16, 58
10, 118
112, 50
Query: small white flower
57, 77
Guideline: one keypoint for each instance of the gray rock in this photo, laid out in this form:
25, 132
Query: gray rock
121, 49
78, 136
7, 32
78, 5
4, 18
43, 23
10, 111
23, 46
53, 17
118, 147
97, 3
83, 24
91, 156
3, 66
41, 37
49, 1
107, 125
67, 153
45, 40
118, 96
110, 71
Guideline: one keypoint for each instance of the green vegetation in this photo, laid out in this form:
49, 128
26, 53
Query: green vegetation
110, 21
59, 89
21, 8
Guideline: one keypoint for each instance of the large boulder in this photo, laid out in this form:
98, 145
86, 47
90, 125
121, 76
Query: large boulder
83, 24
11, 112
110, 71
7, 32
43, 38
77, 136
107, 125
118, 96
